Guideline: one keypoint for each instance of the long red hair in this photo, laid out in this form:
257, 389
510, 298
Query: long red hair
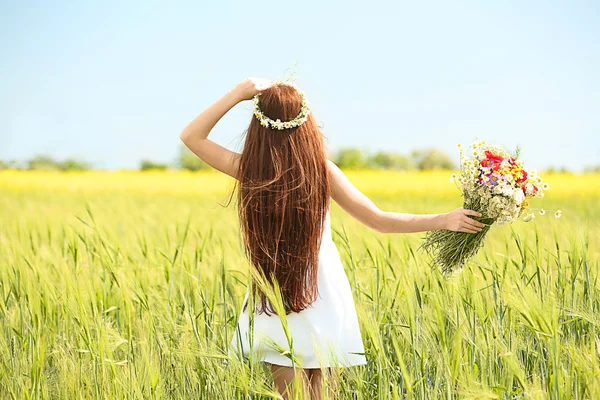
283, 195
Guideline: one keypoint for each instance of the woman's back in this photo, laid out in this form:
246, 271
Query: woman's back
284, 195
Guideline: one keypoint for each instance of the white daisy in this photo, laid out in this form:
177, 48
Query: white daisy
529, 189
518, 196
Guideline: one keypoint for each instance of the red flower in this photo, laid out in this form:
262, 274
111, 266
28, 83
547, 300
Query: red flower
523, 177
493, 157
484, 162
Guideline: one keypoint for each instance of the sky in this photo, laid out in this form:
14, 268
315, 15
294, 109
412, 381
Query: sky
115, 82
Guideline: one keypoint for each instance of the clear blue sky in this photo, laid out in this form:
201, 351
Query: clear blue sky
114, 83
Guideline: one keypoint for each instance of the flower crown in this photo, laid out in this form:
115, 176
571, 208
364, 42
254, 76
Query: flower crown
278, 124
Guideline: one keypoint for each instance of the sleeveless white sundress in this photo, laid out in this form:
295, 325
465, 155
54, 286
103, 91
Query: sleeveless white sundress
326, 334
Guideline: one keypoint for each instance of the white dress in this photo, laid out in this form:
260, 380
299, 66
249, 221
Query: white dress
326, 334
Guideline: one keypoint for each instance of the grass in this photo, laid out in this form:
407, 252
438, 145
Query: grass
128, 285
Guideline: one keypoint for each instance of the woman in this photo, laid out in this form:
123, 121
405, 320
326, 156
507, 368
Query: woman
285, 184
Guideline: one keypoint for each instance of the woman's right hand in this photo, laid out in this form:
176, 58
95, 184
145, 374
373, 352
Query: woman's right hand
459, 221
248, 88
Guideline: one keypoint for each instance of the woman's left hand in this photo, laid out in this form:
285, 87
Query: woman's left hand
248, 88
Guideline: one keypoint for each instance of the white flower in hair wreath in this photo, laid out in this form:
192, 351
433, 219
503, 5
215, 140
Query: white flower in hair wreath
278, 124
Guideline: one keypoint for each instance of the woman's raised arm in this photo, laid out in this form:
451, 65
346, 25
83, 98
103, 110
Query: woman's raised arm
195, 134
359, 206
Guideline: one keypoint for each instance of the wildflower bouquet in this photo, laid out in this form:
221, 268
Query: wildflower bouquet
495, 184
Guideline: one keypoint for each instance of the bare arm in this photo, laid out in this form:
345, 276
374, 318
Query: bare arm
359, 206
195, 134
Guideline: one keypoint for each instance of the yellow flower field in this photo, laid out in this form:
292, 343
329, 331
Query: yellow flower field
207, 183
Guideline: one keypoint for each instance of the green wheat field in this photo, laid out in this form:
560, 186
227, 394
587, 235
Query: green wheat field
127, 285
